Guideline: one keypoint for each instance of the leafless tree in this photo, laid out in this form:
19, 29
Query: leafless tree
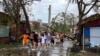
84, 8
14, 7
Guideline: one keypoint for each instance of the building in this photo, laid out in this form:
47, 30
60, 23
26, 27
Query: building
91, 30
8, 27
4, 27
38, 26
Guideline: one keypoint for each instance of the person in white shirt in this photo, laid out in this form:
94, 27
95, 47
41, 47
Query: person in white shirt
43, 40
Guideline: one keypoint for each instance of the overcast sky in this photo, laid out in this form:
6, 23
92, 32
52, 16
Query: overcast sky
40, 9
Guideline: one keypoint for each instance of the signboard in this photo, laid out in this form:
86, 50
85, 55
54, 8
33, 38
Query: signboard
4, 31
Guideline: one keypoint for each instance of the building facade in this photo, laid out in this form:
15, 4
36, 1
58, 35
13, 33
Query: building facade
91, 30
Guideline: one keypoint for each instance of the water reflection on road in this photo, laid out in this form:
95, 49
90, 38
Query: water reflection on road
50, 51
54, 50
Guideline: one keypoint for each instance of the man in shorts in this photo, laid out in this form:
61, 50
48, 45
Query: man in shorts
25, 38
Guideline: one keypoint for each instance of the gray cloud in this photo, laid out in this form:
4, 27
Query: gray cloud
40, 9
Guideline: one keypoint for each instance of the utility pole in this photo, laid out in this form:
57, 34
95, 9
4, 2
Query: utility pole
49, 17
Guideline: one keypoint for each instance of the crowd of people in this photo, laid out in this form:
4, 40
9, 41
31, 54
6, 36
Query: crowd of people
43, 39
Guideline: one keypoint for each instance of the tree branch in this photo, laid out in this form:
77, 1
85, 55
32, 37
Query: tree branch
91, 7
8, 8
84, 8
78, 4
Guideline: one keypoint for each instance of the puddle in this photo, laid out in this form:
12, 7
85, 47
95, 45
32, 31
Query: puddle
52, 51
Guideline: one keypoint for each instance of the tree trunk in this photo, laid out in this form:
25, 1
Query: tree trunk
26, 16
80, 31
80, 28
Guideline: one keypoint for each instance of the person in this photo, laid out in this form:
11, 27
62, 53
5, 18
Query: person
47, 36
58, 37
35, 37
39, 39
52, 38
43, 38
31, 39
61, 38
25, 38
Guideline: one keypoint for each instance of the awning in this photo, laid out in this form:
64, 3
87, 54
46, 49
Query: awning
95, 23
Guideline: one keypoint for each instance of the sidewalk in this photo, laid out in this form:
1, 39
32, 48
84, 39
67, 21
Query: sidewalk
84, 54
87, 52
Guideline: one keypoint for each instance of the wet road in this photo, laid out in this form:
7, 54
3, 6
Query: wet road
56, 50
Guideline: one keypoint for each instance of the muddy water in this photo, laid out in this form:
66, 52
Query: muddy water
50, 51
